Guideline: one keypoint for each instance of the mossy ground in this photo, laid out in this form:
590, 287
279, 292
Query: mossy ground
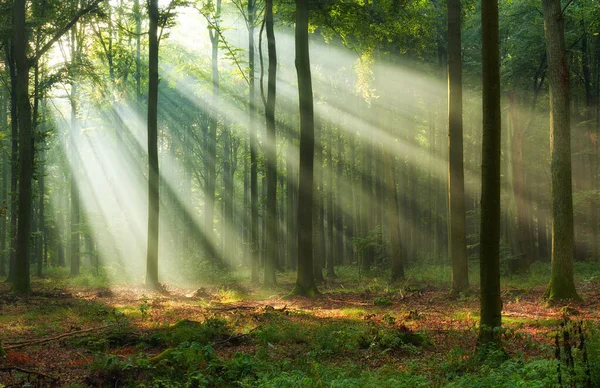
359, 331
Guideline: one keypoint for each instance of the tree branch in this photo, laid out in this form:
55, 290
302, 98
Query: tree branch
82, 12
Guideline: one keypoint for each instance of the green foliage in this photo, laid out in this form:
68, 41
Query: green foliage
382, 301
186, 331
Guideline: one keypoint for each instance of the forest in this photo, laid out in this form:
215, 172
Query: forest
306, 193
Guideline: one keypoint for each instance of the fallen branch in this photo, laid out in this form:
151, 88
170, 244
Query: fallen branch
16, 345
234, 337
29, 372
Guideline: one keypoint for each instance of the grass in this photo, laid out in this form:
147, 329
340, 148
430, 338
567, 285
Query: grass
361, 332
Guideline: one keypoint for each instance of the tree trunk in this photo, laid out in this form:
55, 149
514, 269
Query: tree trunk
562, 284
14, 160
491, 304
253, 147
211, 146
305, 282
271, 151
339, 209
75, 259
153, 172
4, 257
138, 51
457, 242
21, 281
330, 237
393, 219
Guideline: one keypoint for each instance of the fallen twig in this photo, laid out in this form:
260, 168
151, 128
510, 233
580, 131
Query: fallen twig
234, 337
27, 371
16, 345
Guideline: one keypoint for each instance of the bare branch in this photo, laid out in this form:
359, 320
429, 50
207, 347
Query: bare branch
82, 12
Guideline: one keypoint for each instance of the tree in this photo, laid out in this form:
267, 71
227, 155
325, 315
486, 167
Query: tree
562, 285
393, 219
153, 172
305, 282
23, 64
491, 304
253, 147
271, 150
456, 181
76, 47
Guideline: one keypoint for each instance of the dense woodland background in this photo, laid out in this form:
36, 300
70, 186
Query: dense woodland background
183, 140
379, 76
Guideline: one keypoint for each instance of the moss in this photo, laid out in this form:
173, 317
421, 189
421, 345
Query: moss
560, 289
309, 292
165, 355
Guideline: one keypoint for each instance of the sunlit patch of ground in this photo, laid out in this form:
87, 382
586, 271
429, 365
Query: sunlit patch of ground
134, 314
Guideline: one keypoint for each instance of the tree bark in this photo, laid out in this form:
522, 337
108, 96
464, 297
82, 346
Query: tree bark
491, 304
21, 281
330, 212
271, 151
457, 242
305, 282
153, 172
4, 256
253, 147
562, 284
393, 219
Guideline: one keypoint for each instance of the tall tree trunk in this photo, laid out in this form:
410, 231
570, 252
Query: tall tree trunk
292, 193
305, 282
271, 151
227, 224
457, 242
339, 209
491, 304
153, 172
211, 147
21, 281
367, 214
75, 259
138, 51
562, 284
4, 257
253, 146
330, 237
319, 249
393, 219
14, 159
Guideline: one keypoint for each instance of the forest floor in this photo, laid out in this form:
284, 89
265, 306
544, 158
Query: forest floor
354, 334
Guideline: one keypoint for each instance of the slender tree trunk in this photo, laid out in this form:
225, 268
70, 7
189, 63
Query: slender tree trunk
330, 213
393, 219
138, 51
305, 282
14, 160
75, 258
271, 151
319, 249
339, 209
457, 242
491, 304
292, 192
368, 215
562, 285
153, 172
4, 257
21, 281
253, 146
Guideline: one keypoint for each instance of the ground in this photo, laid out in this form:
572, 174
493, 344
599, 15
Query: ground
354, 333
